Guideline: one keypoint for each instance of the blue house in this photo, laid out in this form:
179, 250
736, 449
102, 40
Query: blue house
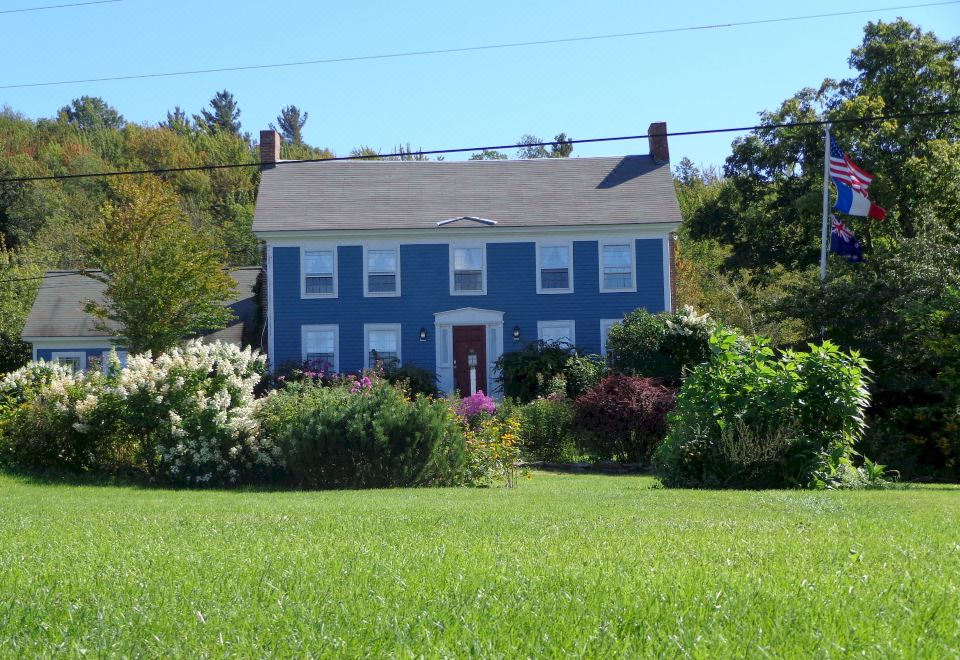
60, 330
439, 263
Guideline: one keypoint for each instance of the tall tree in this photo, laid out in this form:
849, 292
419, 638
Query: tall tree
223, 115
177, 121
532, 146
489, 154
91, 113
290, 124
164, 280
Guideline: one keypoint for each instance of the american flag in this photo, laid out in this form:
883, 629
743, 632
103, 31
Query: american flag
843, 169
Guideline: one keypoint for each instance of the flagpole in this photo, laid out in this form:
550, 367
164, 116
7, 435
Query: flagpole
824, 232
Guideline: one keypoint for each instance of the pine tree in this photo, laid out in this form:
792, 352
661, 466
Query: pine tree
224, 115
290, 124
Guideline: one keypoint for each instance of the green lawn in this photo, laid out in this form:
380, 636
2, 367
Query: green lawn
561, 565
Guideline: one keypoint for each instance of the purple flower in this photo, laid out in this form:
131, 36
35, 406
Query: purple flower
475, 404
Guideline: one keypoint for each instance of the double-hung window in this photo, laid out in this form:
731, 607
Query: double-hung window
554, 271
617, 271
467, 272
553, 332
75, 360
321, 344
320, 273
383, 344
383, 271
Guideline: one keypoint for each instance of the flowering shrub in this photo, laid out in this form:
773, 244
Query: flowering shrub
363, 433
476, 404
493, 447
624, 417
660, 345
52, 418
193, 407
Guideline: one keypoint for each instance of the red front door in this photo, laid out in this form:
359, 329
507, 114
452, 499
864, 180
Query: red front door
467, 338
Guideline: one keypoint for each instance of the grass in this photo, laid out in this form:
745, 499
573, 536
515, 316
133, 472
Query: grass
562, 565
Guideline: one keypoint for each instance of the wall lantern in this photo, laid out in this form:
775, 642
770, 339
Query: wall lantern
423, 334
516, 333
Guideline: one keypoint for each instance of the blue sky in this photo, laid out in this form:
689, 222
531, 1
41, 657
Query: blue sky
692, 80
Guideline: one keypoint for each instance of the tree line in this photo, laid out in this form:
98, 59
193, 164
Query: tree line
750, 243
55, 223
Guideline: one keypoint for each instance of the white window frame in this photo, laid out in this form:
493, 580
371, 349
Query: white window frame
81, 356
394, 327
306, 329
304, 249
483, 273
605, 325
632, 248
569, 246
571, 325
366, 270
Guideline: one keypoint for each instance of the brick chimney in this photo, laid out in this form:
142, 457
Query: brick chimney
657, 135
269, 148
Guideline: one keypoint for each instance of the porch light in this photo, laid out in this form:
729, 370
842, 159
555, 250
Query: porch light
516, 333
423, 334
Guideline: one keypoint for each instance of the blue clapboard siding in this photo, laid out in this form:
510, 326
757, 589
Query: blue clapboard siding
425, 290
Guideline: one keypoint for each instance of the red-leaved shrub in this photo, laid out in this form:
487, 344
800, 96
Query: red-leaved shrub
625, 417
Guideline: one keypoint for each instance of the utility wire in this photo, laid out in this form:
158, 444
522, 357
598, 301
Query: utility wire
942, 113
433, 152
75, 4
466, 49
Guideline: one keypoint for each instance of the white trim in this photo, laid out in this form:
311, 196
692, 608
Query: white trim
632, 248
555, 243
499, 234
380, 246
460, 245
393, 327
271, 336
81, 356
443, 331
320, 247
571, 326
667, 289
605, 325
69, 342
304, 329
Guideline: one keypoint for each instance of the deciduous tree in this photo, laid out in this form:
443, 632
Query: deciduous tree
164, 280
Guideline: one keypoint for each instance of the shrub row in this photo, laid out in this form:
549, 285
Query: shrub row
190, 418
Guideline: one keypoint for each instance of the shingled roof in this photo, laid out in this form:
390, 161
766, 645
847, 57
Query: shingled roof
373, 195
58, 308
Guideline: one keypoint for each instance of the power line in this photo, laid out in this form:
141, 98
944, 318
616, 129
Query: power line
75, 4
466, 49
436, 152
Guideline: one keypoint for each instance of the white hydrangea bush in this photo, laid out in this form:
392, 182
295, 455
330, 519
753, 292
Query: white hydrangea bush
20, 386
686, 323
196, 407
53, 417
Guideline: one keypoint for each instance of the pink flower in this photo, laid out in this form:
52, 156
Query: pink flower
475, 404
362, 385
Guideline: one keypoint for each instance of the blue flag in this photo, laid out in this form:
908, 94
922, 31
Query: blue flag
844, 243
